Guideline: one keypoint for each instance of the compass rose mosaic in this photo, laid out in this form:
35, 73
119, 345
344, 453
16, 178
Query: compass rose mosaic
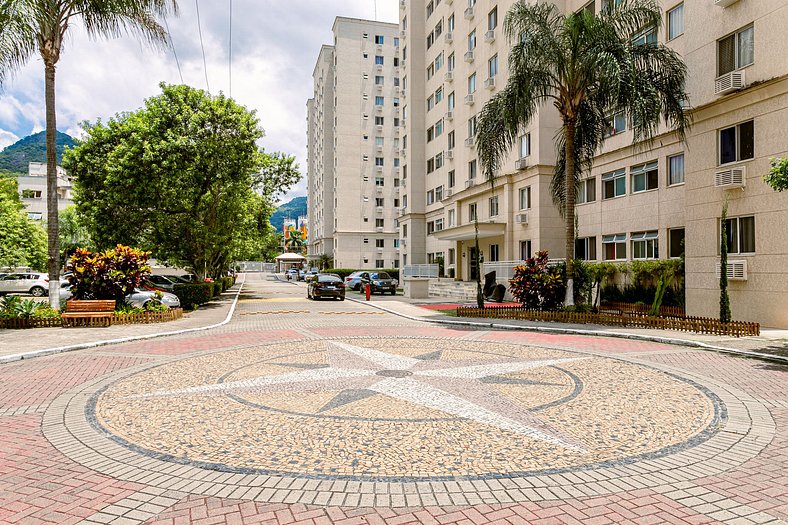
403, 409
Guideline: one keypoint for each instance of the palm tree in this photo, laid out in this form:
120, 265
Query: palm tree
27, 26
295, 241
588, 67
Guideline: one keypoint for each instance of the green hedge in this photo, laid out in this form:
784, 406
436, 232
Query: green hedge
194, 294
344, 272
227, 283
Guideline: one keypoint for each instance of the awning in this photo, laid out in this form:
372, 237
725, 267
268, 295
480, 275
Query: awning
290, 257
468, 231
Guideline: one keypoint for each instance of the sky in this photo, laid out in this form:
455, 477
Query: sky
275, 44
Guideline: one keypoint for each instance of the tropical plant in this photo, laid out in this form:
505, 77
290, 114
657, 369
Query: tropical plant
588, 67
22, 242
111, 274
294, 240
725, 301
537, 284
27, 26
778, 174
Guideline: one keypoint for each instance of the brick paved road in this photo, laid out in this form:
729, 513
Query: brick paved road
55, 467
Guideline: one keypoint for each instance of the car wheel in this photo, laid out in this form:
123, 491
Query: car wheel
393, 292
342, 298
37, 291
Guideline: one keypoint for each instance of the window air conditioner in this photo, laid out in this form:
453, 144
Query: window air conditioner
521, 164
729, 82
735, 177
737, 270
521, 218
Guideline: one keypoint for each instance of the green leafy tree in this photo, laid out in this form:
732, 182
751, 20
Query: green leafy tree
182, 177
22, 241
587, 67
71, 231
725, 301
30, 26
778, 174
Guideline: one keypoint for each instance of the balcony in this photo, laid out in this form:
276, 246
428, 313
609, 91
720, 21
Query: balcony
490, 83
469, 13
469, 100
489, 36
729, 82
469, 56
448, 37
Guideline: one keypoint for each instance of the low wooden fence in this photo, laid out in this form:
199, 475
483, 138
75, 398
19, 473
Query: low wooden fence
701, 325
135, 318
668, 311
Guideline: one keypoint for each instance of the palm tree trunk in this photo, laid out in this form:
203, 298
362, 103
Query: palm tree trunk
52, 212
569, 212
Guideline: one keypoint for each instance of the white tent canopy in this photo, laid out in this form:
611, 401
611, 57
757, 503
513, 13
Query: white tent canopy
290, 257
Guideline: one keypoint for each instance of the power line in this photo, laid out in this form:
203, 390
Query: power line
172, 45
202, 46
230, 63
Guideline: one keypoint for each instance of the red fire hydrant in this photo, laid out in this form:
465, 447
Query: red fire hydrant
368, 291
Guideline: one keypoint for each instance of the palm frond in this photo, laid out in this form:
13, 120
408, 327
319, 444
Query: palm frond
114, 18
17, 37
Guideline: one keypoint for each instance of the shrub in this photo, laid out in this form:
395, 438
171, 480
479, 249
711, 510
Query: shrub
227, 283
217, 288
111, 274
537, 285
342, 272
193, 294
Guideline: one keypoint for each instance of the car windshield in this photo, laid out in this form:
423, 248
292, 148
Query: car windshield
356, 274
380, 275
328, 279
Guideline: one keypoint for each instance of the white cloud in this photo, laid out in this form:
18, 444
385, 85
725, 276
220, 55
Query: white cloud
6, 139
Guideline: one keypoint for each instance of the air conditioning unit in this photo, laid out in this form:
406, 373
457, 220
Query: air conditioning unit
379, 147
470, 142
470, 183
449, 115
724, 3
489, 36
379, 87
447, 194
469, 56
379, 168
380, 249
379, 127
379, 48
403, 243
448, 154
729, 82
379, 67
736, 270
735, 177
490, 83
521, 218
521, 164
449, 37
379, 189
379, 229
402, 33
379, 209
469, 13
448, 76
469, 100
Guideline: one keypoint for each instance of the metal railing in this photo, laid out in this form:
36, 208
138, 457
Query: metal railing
420, 270
256, 266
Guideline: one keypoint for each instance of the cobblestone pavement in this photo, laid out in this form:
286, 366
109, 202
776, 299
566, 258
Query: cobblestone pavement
332, 412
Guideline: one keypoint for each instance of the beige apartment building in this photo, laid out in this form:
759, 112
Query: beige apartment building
354, 138
637, 202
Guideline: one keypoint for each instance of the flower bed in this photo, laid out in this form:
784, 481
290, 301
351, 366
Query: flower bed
130, 318
701, 325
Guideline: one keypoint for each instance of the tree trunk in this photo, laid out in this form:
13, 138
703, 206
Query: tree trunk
569, 211
53, 248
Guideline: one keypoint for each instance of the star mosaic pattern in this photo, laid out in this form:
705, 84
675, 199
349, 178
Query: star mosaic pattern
457, 388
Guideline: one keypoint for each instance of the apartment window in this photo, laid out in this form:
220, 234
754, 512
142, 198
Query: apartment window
430, 102
647, 36
586, 191
366, 56
616, 123
35, 215
379, 202
438, 28
451, 140
450, 101
404, 230
494, 253
472, 126
430, 9
525, 198
438, 225
645, 245
451, 177
492, 19
380, 263
676, 22
438, 95
396, 81
431, 165
644, 177
379, 223
380, 181
525, 250
380, 243
396, 243
379, 40
31, 194
396, 105
676, 169
379, 161
472, 84
365, 158
450, 62
430, 71
431, 197
439, 128
472, 169
492, 66
379, 80
378, 141
450, 218
737, 142
472, 212
614, 184
379, 121
676, 242
430, 227
396, 61
396, 41
615, 247
493, 206
585, 248
366, 241
378, 60
450, 256
439, 62
525, 145
472, 40
736, 51
439, 160
608, 5
741, 235
450, 24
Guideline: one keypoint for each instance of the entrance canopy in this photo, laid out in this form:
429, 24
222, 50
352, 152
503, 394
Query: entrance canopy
468, 231
290, 258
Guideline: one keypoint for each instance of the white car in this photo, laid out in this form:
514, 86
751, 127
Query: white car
33, 283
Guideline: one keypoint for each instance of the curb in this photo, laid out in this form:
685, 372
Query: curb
59, 350
578, 331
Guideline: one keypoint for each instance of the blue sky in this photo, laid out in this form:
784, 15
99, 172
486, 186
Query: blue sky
275, 46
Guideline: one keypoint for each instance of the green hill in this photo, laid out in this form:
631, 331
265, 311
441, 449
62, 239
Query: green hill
32, 148
293, 209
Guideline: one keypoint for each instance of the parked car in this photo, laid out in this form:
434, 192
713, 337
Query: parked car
188, 278
301, 274
326, 285
35, 284
380, 282
163, 282
353, 281
310, 275
139, 298
292, 273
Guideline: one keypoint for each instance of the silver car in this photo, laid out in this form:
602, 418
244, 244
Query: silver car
139, 298
36, 284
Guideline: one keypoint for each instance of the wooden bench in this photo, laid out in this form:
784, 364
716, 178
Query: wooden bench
88, 313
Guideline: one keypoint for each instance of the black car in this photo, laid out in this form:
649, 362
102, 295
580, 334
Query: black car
379, 282
326, 285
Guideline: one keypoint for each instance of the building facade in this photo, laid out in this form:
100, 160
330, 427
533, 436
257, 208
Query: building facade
33, 190
353, 144
637, 202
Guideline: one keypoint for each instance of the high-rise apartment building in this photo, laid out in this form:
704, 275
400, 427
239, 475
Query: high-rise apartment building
660, 201
353, 144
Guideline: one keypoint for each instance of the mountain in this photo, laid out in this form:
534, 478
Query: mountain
293, 209
32, 148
